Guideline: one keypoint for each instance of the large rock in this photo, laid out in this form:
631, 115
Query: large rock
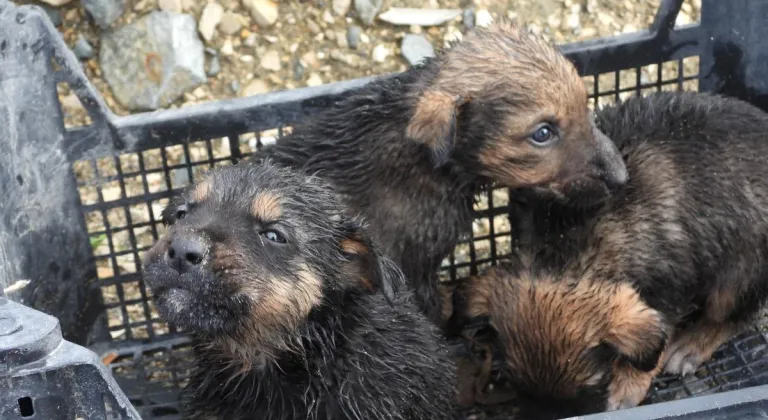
367, 10
420, 17
56, 3
104, 12
416, 48
153, 61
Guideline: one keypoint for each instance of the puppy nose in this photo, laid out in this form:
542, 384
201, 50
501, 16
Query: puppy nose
184, 253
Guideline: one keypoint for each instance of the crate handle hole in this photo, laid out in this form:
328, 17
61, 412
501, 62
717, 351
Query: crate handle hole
26, 409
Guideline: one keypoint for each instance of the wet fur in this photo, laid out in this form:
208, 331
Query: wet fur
319, 328
411, 152
689, 232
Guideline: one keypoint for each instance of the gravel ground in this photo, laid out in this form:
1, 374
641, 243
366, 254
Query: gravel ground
308, 45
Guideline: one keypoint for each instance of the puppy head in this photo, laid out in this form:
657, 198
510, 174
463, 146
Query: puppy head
252, 250
509, 104
577, 348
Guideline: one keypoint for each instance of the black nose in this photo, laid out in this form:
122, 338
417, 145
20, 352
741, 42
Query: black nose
185, 253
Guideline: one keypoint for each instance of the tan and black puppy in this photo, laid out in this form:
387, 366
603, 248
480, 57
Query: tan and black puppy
411, 152
294, 312
675, 262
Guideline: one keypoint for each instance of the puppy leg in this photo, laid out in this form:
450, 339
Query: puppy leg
693, 346
630, 385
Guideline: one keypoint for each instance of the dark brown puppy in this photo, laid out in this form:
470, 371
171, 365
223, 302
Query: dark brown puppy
294, 313
688, 234
412, 151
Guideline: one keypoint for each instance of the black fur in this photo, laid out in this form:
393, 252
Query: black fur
362, 351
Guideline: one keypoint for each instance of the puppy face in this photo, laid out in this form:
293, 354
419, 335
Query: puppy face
517, 110
572, 348
251, 250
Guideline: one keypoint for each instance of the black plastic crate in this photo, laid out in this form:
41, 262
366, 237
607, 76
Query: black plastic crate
108, 182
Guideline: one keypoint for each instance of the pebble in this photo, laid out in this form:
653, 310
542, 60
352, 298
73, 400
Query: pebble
171, 5
214, 66
328, 17
341, 7
416, 48
104, 12
227, 48
483, 18
380, 53
255, 87
231, 23
209, 20
468, 18
264, 12
310, 60
313, 27
353, 36
314, 80
83, 49
367, 10
421, 17
270, 61
452, 37
56, 3
170, 57
53, 14
298, 70
348, 59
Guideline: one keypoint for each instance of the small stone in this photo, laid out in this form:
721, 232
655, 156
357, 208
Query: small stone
231, 23
71, 104
353, 36
227, 48
367, 10
271, 39
415, 29
314, 80
246, 58
380, 53
53, 14
271, 61
313, 27
341, 40
171, 5
250, 40
328, 18
83, 49
298, 70
104, 12
153, 61
629, 28
341, 7
310, 59
235, 86
416, 49
421, 17
255, 87
264, 12
468, 18
56, 3
574, 21
483, 18
588, 33
209, 20
348, 59
452, 37
214, 66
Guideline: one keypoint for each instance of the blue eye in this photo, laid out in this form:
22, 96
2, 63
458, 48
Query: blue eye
273, 236
543, 135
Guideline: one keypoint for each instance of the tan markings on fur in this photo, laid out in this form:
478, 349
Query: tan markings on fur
632, 323
547, 325
351, 246
721, 302
446, 298
278, 306
432, 118
266, 206
201, 191
692, 346
629, 385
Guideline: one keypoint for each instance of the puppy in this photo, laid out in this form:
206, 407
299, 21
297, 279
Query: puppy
674, 263
294, 312
411, 152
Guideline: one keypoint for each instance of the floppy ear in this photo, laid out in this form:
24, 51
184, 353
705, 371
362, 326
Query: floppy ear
638, 333
434, 123
365, 267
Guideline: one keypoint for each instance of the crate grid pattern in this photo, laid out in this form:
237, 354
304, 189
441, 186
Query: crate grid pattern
122, 198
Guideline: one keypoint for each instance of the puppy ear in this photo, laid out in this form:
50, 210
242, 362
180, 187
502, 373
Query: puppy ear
365, 267
168, 215
638, 333
434, 123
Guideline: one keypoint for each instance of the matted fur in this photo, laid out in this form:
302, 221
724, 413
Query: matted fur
412, 151
688, 233
313, 326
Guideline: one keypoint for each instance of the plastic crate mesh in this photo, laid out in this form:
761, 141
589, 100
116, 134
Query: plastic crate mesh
123, 196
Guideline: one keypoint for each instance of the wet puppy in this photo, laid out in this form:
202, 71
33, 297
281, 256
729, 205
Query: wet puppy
675, 262
411, 152
294, 312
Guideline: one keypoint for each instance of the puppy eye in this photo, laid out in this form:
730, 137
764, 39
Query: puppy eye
273, 236
543, 135
181, 212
